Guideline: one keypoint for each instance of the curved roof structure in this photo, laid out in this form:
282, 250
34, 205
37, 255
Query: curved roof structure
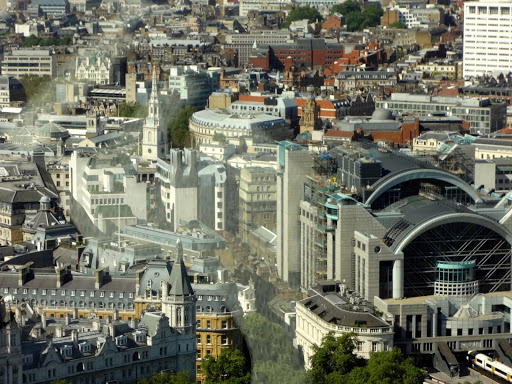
393, 179
218, 118
421, 215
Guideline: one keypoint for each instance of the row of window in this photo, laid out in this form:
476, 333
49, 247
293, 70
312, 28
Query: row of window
223, 324
53, 292
208, 338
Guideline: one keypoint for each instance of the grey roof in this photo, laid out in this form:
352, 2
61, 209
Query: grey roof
332, 313
49, 281
179, 280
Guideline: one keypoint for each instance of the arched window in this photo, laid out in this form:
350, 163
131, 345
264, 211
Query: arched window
80, 367
199, 309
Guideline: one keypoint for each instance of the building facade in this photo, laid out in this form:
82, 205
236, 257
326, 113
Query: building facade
38, 62
483, 116
257, 207
487, 24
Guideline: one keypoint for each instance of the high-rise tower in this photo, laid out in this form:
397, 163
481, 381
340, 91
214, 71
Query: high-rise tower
154, 140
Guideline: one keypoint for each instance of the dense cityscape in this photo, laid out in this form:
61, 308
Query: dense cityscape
255, 191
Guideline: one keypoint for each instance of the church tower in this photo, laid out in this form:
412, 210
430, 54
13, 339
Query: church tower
310, 120
93, 124
178, 304
154, 140
178, 297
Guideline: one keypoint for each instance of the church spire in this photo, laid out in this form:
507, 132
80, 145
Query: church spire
179, 280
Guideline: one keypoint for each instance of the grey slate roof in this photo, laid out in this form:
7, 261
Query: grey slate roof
179, 280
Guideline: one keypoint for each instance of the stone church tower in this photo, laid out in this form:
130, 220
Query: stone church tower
310, 120
154, 139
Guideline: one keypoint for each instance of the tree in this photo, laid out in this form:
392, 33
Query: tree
357, 20
334, 359
178, 130
230, 368
66, 40
346, 7
302, 13
398, 25
167, 378
388, 367
133, 110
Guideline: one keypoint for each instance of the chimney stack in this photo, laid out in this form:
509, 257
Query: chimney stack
74, 337
43, 319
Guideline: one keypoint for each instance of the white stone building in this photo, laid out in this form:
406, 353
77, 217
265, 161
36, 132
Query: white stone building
487, 37
93, 67
332, 308
108, 192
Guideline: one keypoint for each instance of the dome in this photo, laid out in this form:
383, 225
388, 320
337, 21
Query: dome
382, 114
45, 199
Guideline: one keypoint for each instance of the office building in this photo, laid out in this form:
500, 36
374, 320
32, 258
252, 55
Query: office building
262, 128
107, 192
342, 311
295, 163
483, 116
193, 84
52, 7
19, 62
257, 200
244, 43
12, 92
488, 25
416, 258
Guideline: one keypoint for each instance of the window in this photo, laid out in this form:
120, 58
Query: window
92, 294
208, 339
130, 295
73, 293
208, 324
54, 292
198, 339
224, 339
224, 324
121, 295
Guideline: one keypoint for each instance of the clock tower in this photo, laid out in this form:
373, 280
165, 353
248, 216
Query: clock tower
154, 140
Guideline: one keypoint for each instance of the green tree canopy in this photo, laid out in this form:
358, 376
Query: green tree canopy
230, 368
334, 362
177, 128
133, 110
167, 378
387, 368
346, 7
334, 359
398, 25
302, 13
358, 20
